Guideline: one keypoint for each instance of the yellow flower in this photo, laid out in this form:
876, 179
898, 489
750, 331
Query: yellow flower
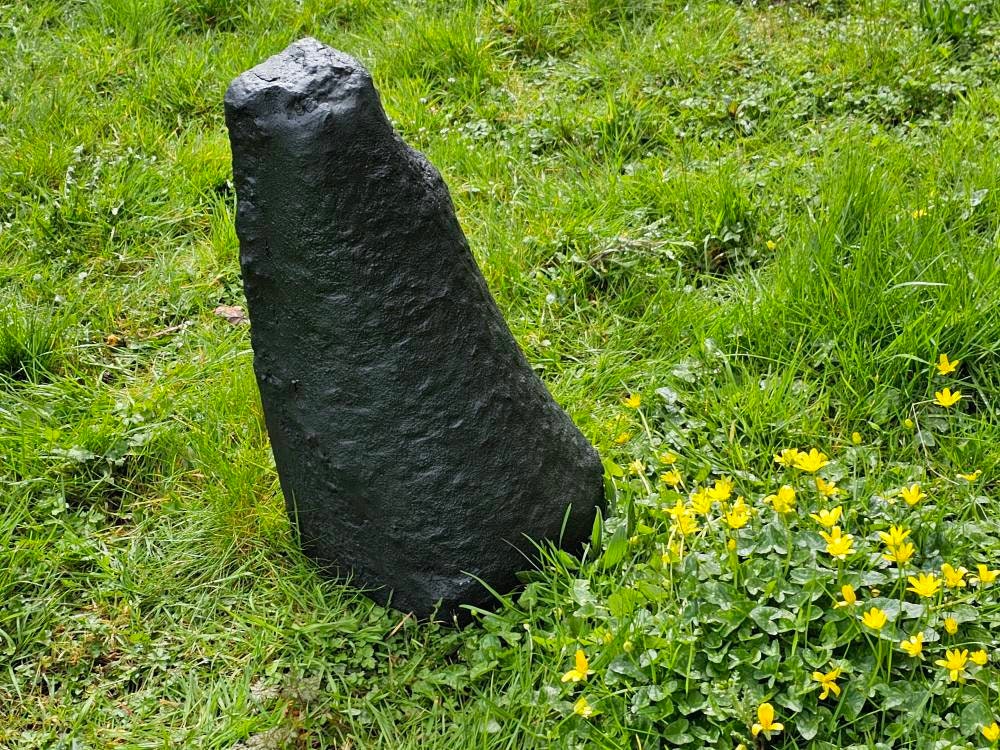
668, 458
901, 554
633, 401
828, 682
765, 721
918, 213
677, 509
991, 732
722, 490
986, 576
672, 477
874, 618
850, 597
827, 518
686, 524
971, 477
812, 461
739, 515
623, 437
946, 366
731, 545
914, 645
946, 398
950, 625
838, 545
954, 661
637, 467
784, 501
583, 708
912, 494
925, 585
954, 579
787, 457
896, 536
674, 553
701, 503
908, 423
980, 657
827, 489
856, 438
580, 669
771, 244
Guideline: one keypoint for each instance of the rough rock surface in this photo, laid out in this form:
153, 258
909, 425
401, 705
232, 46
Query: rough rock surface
415, 446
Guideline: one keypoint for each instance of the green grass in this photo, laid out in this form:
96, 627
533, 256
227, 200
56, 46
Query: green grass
768, 220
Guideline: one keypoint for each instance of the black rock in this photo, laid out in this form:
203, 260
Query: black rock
415, 446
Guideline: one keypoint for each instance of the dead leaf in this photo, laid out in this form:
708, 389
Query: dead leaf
233, 314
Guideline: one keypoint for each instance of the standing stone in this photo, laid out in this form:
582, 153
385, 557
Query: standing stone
416, 448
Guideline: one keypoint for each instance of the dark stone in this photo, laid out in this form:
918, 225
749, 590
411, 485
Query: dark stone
415, 446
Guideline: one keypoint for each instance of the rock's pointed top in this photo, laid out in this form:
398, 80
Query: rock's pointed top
306, 67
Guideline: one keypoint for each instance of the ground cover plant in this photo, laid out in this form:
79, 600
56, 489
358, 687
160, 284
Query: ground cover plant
752, 249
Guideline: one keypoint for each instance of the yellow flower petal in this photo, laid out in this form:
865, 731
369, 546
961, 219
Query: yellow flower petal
875, 618
583, 708
925, 584
828, 518
986, 576
954, 578
954, 662
812, 461
914, 645
946, 398
787, 457
946, 366
765, 721
991, 732
912, 494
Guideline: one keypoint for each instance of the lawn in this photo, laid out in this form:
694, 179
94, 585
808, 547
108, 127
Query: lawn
722, 232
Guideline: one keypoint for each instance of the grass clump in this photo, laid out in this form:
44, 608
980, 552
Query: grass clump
950, 22
30, 341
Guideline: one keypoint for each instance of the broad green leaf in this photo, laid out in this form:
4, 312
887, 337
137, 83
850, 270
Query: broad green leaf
852, 701
975, 715
617, 548
676, 733
581, 592
624, 602
613, 469
807, 724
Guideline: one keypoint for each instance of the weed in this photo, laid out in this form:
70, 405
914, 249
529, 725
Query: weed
947, 21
